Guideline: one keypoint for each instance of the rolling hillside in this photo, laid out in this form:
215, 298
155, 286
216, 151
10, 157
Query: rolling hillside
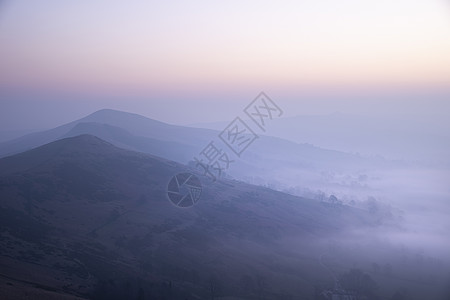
82, 217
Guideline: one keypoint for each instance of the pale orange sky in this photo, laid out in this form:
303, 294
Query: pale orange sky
195, 49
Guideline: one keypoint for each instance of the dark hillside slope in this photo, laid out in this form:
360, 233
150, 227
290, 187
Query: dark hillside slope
82, 217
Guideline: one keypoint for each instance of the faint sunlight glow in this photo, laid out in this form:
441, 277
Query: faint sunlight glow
98, 45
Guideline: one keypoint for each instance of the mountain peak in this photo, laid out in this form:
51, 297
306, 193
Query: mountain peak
84, 144
116, 116
109, 111
83, 139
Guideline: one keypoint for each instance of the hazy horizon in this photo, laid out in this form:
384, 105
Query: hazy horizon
19, 114
159, 60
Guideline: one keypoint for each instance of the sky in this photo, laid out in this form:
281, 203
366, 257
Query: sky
200, 61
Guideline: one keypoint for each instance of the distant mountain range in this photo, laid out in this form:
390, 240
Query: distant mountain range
81, 217
135, 132
128, 130
415, 138
266, 156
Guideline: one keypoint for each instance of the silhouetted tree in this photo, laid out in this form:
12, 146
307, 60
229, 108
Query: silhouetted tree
333, 199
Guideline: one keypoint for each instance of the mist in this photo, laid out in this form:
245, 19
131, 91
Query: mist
225, 151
